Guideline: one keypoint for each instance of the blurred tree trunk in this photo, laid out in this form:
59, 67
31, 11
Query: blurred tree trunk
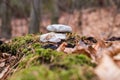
6, 19
55, 12
35, 16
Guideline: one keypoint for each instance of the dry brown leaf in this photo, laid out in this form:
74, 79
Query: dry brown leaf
4, 71
68, 50
115, 47
100, 44
5, 55
117, 57
107, 69
61, 48
117, 62
113, 50
2, 64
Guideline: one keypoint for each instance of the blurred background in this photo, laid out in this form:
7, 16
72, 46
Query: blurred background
97, 18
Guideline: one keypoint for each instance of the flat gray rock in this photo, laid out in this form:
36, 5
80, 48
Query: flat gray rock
59, 28
52, 37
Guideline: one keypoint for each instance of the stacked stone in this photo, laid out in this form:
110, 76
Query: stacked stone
57, 32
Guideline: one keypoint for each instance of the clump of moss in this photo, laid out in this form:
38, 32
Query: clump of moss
41, 56
4, 48
47, 64
43, 72
76, 59
17, 43
35, 73
72, 38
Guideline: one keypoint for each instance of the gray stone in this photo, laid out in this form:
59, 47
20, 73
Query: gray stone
59, 28
52, 37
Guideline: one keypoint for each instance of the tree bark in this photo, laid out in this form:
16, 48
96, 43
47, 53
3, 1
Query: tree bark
6, 20
35, 16
55, 12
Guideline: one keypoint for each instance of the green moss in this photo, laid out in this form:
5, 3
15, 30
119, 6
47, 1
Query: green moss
36, 45
41, 56
61, 67
34, 73
20, 44
72, 38
47, 64
4, 47
44, 73
69, 61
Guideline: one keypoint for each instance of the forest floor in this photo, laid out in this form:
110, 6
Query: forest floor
97, 29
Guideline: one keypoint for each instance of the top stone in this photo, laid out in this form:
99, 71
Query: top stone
59, 28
